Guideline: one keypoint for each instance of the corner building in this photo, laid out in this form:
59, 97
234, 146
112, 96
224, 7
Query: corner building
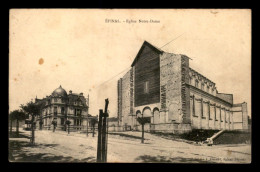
161, 87
60, 106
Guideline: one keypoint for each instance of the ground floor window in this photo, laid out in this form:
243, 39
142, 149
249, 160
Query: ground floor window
62, 121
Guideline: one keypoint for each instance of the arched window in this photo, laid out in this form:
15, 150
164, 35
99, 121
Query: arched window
156, 115
138, 113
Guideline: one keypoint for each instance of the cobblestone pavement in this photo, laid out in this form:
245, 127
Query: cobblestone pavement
60, 147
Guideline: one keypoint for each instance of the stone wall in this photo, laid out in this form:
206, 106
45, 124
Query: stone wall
119, 100
115, 128
240, 115
171, 128
208, 112
126, 110
185, 91
170, 79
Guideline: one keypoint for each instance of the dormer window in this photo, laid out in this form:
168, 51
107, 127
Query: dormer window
202, 86
190, 80
197, 83
207, 88
55, 100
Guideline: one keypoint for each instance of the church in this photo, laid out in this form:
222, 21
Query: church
161, 87
59, 107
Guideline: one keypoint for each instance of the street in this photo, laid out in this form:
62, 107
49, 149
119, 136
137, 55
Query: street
126, 147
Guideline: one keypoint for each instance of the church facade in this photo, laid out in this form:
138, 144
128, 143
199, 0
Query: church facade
60, 107
174, 98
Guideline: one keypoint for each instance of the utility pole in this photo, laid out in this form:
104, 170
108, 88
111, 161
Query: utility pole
142, 128
87, 124
99, 136
32, 128
102, 135
87, 115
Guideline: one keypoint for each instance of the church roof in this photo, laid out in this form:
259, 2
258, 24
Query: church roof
156, 49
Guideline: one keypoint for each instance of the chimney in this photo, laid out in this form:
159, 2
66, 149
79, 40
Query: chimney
81, 94
70, 92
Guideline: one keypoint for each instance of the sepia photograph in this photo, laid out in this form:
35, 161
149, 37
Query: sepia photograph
130, 86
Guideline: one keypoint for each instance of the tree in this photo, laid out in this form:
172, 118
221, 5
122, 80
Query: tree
93, 122
18, 115
11, 118
68, 123
87, 126
32, 109
41, 122
142, 121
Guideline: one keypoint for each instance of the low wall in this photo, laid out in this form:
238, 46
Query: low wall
171, 128
115, 128
147, 127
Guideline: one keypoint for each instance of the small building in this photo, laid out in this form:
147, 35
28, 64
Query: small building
163, 88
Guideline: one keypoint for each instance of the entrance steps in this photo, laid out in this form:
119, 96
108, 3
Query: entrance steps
210, 140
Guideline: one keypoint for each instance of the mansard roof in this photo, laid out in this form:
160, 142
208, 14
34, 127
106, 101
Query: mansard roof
74, 97
60, 92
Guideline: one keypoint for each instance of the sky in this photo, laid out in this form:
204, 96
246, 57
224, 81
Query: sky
77, 49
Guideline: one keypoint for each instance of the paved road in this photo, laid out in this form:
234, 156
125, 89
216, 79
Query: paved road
59, 146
